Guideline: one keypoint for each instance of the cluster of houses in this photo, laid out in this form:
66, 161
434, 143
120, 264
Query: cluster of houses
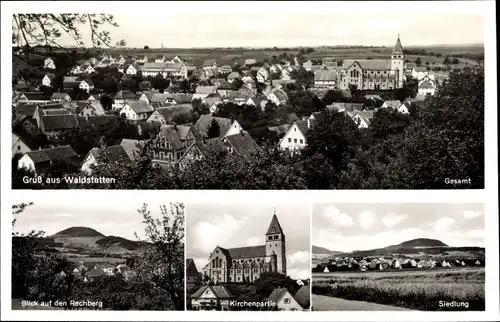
88, 275
386, 263
218, 297
154, 114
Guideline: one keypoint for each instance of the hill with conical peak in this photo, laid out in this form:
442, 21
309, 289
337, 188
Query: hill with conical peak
413, 246
78, 231
420, 243
90, 240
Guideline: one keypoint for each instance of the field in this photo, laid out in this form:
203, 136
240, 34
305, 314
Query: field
238, 55
94, 260
416, 289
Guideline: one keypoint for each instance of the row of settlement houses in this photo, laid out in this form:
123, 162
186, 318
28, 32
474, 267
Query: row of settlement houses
387, 263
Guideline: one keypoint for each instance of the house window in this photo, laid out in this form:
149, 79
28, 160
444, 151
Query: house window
289, 140
276, 237
255, 270
294, 140
301, 141
269, 237
246, 271
286, 301
161, 155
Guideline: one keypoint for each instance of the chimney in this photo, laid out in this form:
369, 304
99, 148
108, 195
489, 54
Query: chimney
308, 123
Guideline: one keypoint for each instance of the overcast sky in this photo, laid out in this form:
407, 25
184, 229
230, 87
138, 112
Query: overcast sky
107, 216
231, 226
181, 30
348, 227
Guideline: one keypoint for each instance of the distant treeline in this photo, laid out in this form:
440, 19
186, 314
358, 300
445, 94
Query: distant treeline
423, 52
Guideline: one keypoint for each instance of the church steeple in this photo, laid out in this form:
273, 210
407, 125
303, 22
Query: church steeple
398, 48
274, 227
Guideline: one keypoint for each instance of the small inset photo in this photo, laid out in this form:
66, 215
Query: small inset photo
398, 256
98, 255
248, 257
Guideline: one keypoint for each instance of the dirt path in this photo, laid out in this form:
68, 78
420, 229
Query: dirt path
328, 303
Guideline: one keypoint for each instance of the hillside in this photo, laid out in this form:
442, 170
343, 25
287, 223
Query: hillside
114, 241
419, 243
78, 232
323, 250
415, 246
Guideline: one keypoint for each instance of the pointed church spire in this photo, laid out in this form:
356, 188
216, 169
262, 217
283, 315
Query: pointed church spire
274, 227
398, 47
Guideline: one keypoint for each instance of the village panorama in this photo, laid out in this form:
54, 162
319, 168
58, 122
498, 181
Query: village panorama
326, 117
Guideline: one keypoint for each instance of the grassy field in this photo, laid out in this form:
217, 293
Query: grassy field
238, 55
94, 260
418, 289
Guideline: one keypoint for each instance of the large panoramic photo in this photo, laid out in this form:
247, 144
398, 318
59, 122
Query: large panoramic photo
248, 101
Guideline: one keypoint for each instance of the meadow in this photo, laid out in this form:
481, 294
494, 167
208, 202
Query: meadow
416, 289
96, 260
238, 55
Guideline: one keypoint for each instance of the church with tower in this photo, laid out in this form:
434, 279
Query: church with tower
245, 264
376, 74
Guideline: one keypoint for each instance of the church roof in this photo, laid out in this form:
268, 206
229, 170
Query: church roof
244, 252
369, 64
275, 224
398, 46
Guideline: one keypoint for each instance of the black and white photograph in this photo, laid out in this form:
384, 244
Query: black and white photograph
248, 101
242, 257
99, 255
398, 257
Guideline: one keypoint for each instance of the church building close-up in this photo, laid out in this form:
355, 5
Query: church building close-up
245, 264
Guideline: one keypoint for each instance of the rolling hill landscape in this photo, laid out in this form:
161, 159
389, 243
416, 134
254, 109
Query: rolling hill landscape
88, 242
414, 246
316, 250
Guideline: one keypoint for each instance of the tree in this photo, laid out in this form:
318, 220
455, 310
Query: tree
331, 143
213, 130
269, 281
447, 138
455, 61
446, 61
162, 267
237, 83
121, 43
418, 61
34, 274
146, 47
31, 30
160, 83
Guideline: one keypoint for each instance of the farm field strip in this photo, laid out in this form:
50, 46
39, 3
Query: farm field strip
420, 290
